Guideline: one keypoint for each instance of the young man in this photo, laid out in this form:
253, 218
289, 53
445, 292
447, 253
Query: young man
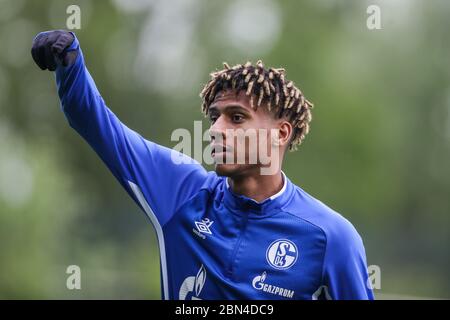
235, 233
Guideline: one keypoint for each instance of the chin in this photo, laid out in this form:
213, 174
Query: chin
226, 170
233, 170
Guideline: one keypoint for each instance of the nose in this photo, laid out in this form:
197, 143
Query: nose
217, 130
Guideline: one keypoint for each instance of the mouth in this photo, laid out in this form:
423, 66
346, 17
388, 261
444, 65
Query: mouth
219, 150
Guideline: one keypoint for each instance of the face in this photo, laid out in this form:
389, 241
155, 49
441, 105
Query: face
245, 141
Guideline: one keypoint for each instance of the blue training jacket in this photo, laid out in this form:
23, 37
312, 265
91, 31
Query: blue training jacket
215, 244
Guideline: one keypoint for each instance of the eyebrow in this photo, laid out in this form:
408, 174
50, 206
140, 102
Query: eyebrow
230, 108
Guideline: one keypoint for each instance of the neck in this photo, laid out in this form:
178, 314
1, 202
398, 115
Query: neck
257, 187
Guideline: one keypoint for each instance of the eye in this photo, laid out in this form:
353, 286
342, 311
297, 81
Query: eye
237, 117
213, 118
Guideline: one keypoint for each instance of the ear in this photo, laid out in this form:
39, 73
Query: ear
284, 133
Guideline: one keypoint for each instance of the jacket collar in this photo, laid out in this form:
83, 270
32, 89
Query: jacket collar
246, 206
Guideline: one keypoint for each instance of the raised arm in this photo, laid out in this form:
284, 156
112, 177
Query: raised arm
144, 168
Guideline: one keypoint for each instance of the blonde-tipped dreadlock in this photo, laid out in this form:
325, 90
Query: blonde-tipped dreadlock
263, 86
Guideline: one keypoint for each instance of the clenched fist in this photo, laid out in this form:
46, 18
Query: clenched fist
49, 49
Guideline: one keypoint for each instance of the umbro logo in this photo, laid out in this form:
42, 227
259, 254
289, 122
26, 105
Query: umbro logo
203, 226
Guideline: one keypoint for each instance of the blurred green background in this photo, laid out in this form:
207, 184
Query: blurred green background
378, 151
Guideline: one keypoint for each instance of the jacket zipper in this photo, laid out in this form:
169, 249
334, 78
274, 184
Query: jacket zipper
238, 244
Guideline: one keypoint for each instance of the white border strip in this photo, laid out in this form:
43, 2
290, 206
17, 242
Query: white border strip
159, 233
276, 195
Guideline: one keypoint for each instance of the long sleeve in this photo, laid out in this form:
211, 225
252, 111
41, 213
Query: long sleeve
345, 275
135, 162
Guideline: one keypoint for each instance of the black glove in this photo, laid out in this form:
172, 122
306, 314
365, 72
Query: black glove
48, 49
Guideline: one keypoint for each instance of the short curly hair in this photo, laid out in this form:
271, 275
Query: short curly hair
268, 86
